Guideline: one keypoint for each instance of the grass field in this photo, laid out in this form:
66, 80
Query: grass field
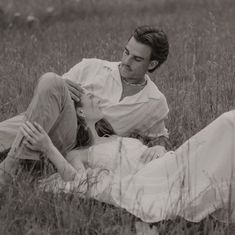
197, 79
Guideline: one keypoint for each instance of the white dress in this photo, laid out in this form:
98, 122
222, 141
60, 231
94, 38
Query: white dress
191, 182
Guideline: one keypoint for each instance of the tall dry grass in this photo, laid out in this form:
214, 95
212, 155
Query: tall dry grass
197, 79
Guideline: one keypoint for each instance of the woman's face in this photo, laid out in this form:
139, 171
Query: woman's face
90, 107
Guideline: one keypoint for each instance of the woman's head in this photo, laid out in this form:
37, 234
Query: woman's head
90, 109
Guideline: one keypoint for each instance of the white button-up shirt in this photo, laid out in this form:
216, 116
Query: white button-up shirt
142, 113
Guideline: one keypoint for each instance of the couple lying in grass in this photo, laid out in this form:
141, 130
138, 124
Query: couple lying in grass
195, 180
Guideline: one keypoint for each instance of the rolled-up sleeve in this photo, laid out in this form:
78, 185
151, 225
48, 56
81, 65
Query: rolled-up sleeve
77, 72
158, 129
158, 118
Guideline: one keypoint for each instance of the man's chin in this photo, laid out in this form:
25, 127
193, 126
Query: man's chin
125, 74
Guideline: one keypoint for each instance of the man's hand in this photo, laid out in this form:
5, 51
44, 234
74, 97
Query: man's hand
153, 153
75, 90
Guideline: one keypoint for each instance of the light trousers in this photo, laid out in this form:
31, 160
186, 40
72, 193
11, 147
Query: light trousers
51, 107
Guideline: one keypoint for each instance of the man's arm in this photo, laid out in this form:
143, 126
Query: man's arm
75, 90
160, 140
157, 140
73, 79
156, 149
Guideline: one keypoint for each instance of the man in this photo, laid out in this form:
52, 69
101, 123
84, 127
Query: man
131, 103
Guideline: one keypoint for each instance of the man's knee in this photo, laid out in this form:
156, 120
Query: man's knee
50, 81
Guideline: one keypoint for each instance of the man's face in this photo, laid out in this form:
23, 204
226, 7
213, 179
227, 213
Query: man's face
135, 60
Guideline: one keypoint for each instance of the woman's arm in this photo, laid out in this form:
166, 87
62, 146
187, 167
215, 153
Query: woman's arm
37, 139
65, 169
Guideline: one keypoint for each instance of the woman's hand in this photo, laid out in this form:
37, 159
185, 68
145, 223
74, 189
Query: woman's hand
36, 138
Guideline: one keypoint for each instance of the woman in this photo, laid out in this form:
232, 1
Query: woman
86, 164
192, 182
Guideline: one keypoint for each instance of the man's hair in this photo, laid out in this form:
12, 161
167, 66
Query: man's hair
156, 39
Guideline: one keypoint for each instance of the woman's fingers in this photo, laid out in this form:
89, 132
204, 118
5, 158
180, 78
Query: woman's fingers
36, 137
33, 129
39, 127
30, 132
27, 133
29, 145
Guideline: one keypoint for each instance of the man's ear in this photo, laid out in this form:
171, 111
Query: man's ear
152, 64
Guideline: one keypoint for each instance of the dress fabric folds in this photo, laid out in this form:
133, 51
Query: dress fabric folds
192, 182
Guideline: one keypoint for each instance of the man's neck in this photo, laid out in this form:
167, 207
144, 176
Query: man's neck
134, 81
139, 80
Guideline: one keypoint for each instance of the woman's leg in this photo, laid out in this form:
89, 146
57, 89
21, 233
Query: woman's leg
53, 108
210, 160
191, 182
211, 151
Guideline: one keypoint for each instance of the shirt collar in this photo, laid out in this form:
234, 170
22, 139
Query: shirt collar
150, 91
114, 71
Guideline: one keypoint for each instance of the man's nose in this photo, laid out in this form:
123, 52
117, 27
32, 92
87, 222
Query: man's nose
128, 60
